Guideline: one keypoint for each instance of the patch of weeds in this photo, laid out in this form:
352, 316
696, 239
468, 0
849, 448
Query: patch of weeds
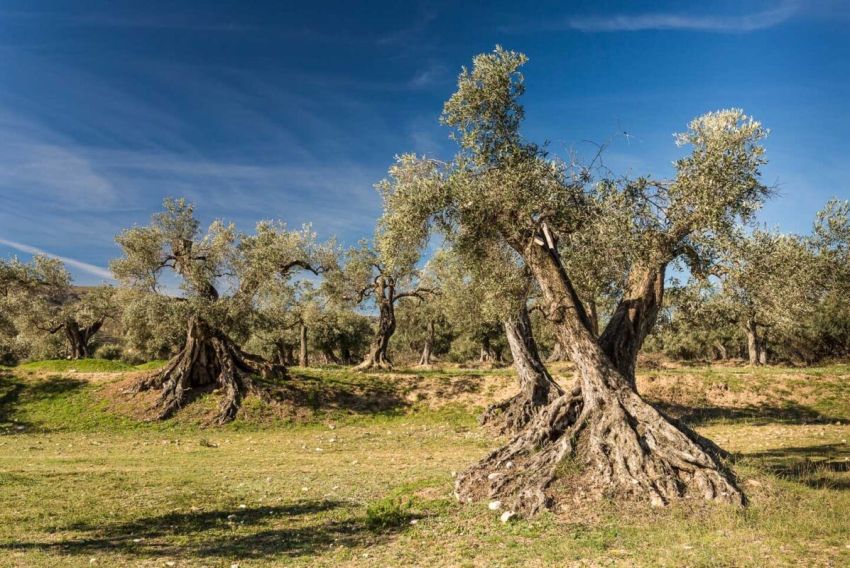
388, 513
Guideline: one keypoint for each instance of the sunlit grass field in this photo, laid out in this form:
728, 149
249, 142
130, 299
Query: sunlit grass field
364, 475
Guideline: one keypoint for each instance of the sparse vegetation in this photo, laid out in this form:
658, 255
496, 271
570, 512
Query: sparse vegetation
342, 486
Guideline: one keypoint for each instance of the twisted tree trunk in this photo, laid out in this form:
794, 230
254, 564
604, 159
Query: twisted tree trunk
427, 350
599, 439
377, 356
633, 319
209, 360
537, 389
79, 338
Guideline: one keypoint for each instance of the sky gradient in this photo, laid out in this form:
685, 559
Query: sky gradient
272, 111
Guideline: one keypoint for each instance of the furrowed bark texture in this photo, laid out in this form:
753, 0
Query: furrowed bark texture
378, 351
537, 389
599, 439
208, 360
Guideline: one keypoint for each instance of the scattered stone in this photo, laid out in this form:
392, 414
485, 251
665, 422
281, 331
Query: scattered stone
507, 516
493, 475
495, 505
414, 521
243, 506
754, 482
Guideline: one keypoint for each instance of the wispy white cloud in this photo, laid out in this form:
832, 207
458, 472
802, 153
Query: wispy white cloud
680, 21
78, 264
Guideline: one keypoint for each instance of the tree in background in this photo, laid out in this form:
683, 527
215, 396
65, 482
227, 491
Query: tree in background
368, 275
210, 357
47, 303
503, 190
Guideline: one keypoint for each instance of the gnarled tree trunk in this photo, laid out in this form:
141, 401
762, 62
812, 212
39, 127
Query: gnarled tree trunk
633, 319
209, 360
753, 343
428, 349
79, 338
377, 355
601, 438
537, 389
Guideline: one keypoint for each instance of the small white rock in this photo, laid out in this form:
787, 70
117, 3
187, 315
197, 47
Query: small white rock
495, 505
414, 521
493, 475
507, 516
243, 506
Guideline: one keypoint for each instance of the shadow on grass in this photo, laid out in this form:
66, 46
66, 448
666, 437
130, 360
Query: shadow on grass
824, 466
789, 413
231, 534
365, 395
14, 392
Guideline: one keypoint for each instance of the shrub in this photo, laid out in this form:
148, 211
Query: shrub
109, 351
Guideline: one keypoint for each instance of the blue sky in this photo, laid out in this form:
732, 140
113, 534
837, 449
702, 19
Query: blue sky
260, 110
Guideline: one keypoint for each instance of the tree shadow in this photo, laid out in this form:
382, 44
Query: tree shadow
819, 467
222, 533
789, 413
13, 391
366, 395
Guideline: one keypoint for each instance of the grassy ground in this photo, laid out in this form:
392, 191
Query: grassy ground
365, 477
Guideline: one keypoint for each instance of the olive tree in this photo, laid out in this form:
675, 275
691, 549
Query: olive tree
500, 188
220, 259
371, 275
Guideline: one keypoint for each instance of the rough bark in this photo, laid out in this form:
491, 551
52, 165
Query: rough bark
303, 356
537, 389
559, 353
377, 355
79, 338
753, 347
425, 359
633, 319
722, 355
601, 438
209, 360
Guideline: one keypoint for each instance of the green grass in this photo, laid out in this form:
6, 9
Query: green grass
79, 365
82, 486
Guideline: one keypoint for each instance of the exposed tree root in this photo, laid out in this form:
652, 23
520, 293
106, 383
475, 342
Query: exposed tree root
619, 447
208, 360
374, 362
511, 415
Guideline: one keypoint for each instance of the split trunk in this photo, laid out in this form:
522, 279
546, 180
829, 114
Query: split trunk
600, 439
